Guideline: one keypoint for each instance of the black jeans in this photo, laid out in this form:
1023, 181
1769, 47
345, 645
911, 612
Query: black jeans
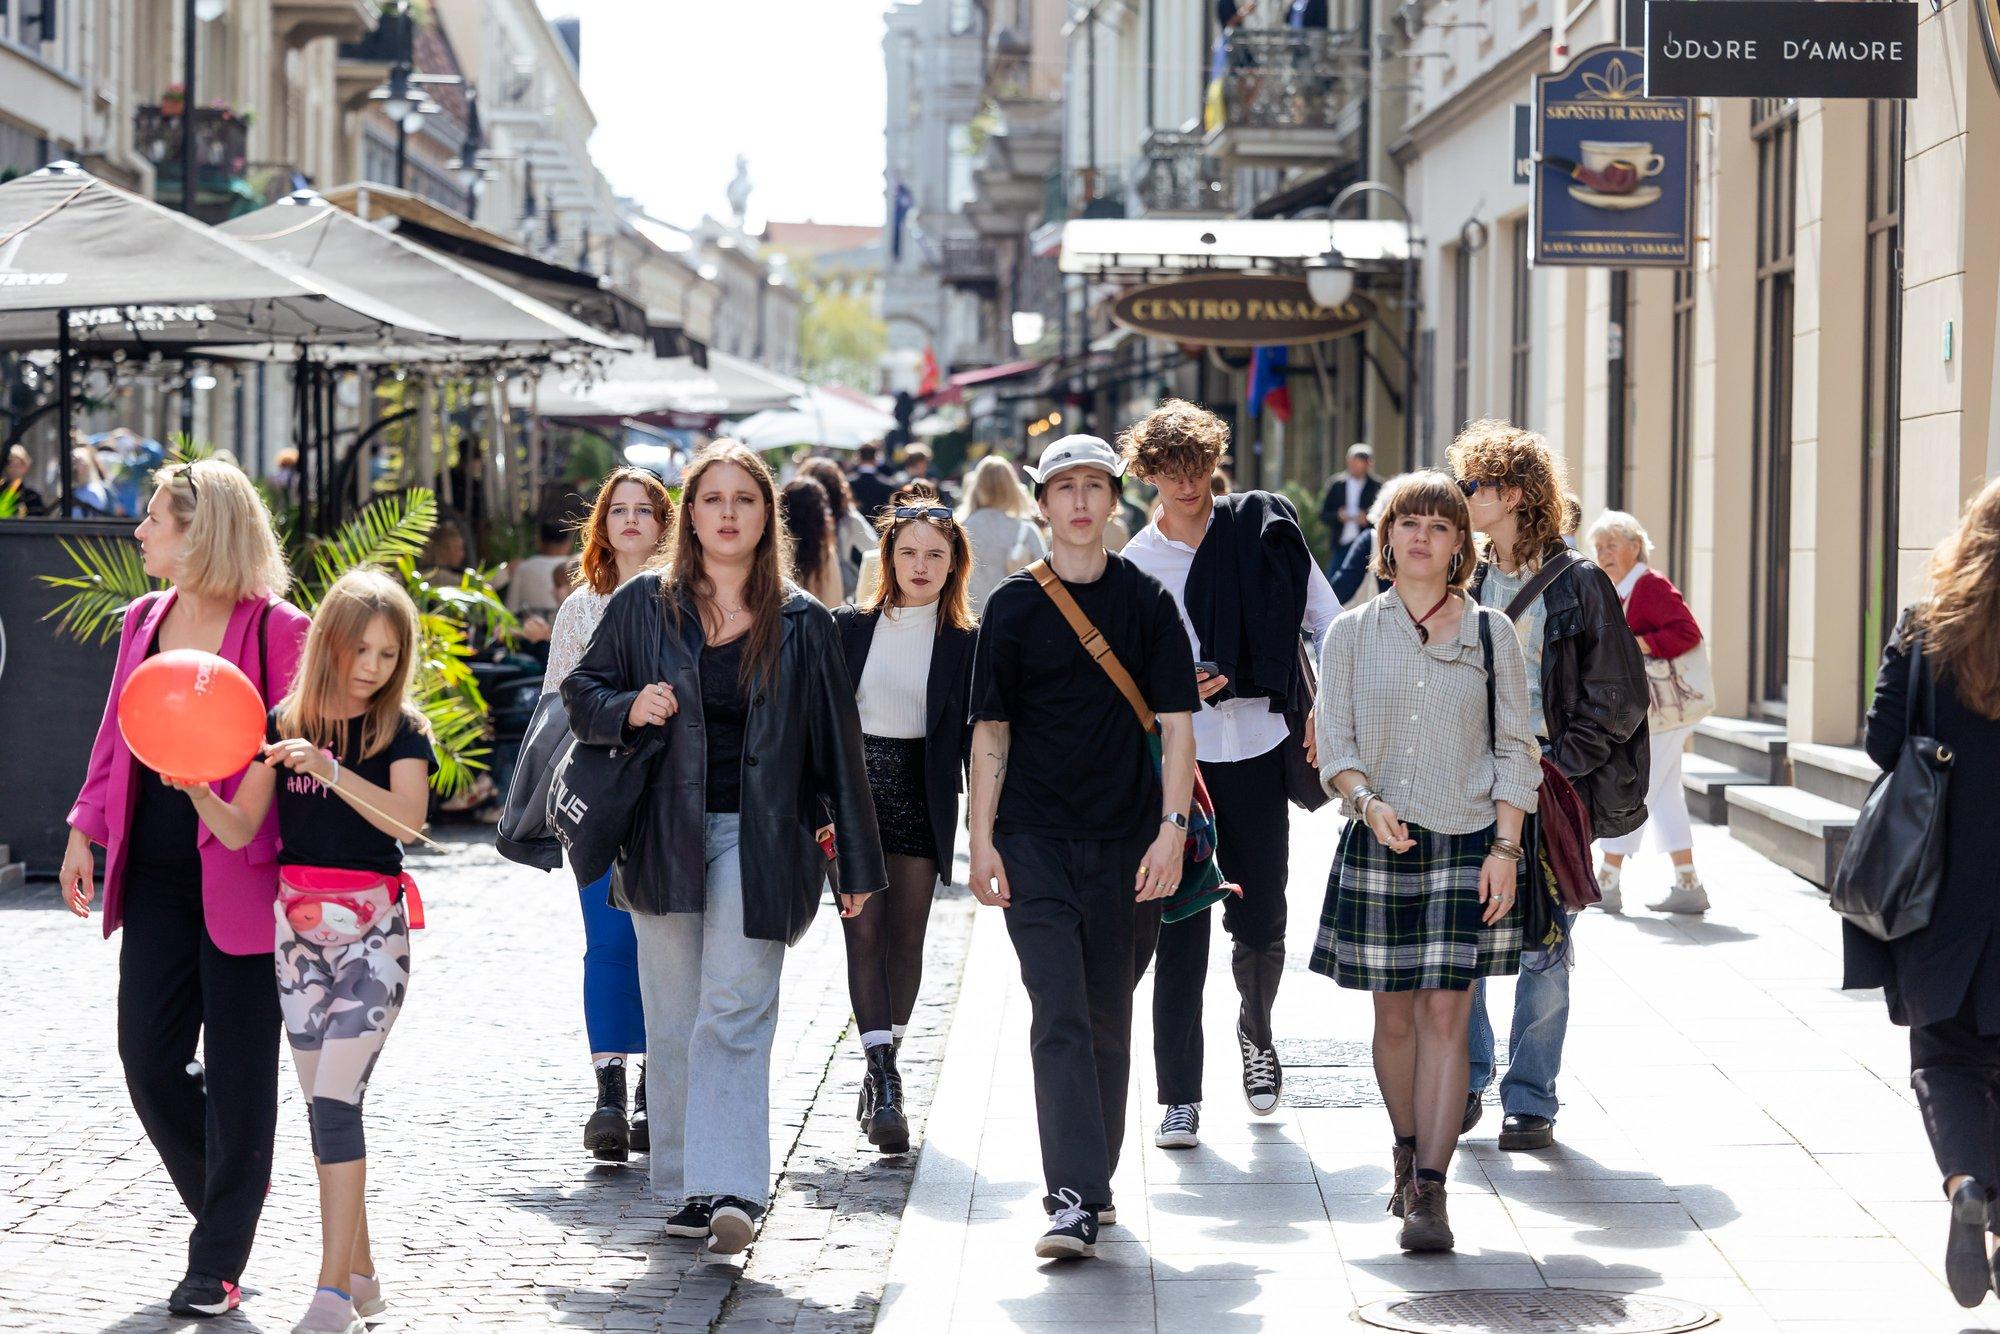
1253, 831
174, 984
1955, 1070
1082, 940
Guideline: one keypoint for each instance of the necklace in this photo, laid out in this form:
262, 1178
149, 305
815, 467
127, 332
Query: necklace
732, 615
1423, 635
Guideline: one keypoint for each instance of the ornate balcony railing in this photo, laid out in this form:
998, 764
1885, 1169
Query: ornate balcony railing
1178, 174
221, 150
1082, 192
968, 264
1291, 78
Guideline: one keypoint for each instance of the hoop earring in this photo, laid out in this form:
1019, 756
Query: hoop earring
1451, 572
1389, 560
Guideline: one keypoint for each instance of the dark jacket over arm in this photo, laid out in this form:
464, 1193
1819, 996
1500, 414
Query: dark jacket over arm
1354, 566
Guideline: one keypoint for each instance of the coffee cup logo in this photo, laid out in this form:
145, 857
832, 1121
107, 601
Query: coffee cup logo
1617, 168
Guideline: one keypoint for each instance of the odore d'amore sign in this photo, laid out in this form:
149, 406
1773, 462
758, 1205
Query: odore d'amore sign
1781, 48
1237, 310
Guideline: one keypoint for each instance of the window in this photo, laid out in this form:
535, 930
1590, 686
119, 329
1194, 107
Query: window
1882, 369
959, 187
1774, 128
1680, 432
1461, 338
1521, 331
1616, 417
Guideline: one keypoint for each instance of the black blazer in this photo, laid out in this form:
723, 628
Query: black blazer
947, 709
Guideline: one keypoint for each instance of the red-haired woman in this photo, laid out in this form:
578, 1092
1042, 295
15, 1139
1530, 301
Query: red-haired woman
626, 526
909, 651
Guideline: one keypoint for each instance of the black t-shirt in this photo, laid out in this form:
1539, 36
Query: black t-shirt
1078, 766
316, 828
725, 709
164, 825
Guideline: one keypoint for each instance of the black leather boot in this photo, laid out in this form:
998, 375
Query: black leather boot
642, 1131
607, 1134
886, 1126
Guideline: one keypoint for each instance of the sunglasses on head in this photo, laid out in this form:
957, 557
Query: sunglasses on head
936, 513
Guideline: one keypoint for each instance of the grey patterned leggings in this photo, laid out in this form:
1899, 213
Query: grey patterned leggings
343, 968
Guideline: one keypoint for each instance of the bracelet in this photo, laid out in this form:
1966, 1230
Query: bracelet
335, 780
1506, 850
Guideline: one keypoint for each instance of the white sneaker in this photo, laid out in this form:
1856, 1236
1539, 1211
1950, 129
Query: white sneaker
1687, 896
1180, 1128
1613, 899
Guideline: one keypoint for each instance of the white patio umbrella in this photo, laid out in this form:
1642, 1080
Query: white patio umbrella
787, 428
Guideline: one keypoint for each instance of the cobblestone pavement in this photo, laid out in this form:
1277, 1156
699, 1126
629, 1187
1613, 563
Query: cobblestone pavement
485, 1211
1735, 1132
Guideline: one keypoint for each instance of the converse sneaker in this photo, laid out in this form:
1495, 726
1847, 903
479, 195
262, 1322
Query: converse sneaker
1686, 896
1611, 899
731, 1223
1180, 1128
199, 1295
1072, 1233
691, 1220
1107, 1215
1263, 1077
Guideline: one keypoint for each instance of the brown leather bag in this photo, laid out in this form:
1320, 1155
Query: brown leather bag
1560, 820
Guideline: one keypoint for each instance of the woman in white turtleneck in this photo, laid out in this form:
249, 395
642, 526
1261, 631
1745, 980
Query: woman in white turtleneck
909, 652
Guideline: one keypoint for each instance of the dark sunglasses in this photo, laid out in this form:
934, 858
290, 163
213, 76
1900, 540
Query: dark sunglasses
193, 490
936, 513
1470, 486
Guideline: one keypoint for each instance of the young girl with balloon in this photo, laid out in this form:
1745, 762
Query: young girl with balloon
347, 764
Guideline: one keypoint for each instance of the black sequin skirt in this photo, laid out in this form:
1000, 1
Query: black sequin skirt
902, 810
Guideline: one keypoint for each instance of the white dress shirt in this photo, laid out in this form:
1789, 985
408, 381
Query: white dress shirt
1231, 729
1351, 530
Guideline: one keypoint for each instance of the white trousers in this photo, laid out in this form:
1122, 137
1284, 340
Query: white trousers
1666, 802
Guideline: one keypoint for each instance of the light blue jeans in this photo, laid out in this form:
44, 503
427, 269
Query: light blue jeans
1534, 1039
711, 998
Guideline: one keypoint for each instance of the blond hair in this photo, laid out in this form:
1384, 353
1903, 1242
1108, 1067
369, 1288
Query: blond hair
995, 487
231, 549
318, 701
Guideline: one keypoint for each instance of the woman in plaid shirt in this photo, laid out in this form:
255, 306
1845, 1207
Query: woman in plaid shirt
1437, 766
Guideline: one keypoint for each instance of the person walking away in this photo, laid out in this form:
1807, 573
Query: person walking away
1665, 629
807, 515
1424, 735
1587, 700
1075, 831
909, 653
996, 518
742, 673
1244, 586
347, 730
625, 529
917, 464
853, 536
870, 488
194, 965
1345, 506
1942, 982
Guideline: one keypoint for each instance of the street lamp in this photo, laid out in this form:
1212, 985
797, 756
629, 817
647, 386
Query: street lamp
1331, 281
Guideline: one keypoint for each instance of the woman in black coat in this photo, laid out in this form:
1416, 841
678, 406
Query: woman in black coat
909, 653
743, 675
1943, 981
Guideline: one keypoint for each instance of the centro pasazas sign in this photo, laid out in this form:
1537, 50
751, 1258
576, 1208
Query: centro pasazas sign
1237, 310
1780, 48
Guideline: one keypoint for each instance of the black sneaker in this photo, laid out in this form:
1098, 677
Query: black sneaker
639, 1134
1180, 1128
691, 1220
199, 1296
1107, 1215
1263, 1077
731, 1223
1072, 1233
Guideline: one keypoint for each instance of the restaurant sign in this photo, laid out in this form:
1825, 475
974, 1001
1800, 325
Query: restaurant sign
1781, 48
1614, 178
1237, 310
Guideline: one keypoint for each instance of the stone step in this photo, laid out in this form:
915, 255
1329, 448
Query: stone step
1708, 782
1748, 747
1838, 773
1801, 831
13, 875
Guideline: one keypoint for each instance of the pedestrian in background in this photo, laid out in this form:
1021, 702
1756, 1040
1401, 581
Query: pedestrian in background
624, 532
870, 488
1348, 499
195, 961
1665, 629
1245, 587
721, 870
1943, 981
346, 730
996, 516
1354, 580
909, 653
808, 519
853, 535
1586, 702
1424, 735
917, 464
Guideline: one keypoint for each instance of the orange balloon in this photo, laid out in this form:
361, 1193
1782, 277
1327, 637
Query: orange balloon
191, 715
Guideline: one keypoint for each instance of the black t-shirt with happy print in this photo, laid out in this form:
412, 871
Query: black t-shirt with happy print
317, 828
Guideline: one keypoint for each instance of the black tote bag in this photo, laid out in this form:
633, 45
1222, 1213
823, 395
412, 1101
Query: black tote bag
1889, 875
594, 795
524, 835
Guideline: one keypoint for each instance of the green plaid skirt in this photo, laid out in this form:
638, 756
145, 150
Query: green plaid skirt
1410, 921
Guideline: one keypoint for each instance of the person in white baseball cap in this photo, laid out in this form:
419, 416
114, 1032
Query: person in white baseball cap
1074, 451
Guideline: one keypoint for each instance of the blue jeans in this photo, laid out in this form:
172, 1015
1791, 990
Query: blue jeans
1534, 1039
612, 1013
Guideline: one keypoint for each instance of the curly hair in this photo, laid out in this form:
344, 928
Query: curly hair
1960, 622
1498, 452
1176, 439
808, 514
828, 474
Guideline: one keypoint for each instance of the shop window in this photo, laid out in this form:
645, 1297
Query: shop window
1680, 432
1880, 401
1520, 338
1461, 338
1774, 129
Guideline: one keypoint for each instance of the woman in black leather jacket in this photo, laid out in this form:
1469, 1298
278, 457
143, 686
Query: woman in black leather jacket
721, 871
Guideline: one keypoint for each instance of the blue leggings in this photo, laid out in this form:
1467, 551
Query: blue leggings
611, 1010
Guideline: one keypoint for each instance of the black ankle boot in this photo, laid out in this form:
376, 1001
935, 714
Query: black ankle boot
607, 1134
641, 1135
886, 1126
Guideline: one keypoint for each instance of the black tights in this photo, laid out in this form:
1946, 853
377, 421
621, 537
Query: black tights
885, 945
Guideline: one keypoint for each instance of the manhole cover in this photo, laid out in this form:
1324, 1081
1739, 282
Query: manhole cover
1568, 1309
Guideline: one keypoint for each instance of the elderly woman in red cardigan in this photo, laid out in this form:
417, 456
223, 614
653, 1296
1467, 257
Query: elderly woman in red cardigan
1666, 629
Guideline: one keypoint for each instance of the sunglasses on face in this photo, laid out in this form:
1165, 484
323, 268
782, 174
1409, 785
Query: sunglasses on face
936, 513
1470, 486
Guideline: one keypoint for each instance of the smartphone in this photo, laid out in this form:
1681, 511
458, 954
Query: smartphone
1207, 668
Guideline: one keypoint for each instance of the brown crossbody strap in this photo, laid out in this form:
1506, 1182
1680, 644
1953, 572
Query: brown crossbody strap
1093, 643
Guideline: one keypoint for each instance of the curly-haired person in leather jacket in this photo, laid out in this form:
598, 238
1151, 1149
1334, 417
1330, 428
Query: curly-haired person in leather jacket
1587, 695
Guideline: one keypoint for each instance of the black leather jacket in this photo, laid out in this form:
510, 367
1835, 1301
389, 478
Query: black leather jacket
1594, 696
802, 760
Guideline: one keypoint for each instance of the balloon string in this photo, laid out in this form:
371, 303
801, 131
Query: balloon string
373, 809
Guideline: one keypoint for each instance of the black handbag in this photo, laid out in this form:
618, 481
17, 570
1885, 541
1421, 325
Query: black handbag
1889, 875
594, 795
1302, 786
524, 835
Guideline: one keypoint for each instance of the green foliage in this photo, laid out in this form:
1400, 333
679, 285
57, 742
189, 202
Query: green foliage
1318, 539
10, 501
841, 338
110, 576
387, 531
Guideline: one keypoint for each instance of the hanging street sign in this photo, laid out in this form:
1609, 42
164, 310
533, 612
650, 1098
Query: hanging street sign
1780, 48
1237, 310
1614, 168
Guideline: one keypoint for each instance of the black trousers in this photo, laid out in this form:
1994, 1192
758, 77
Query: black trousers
173, 985
1955, 1070
1082, 940
1252, 835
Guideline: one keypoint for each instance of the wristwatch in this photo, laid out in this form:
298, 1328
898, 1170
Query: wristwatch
1177, 820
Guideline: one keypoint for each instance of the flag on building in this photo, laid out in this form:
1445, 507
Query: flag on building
1267, 383
897, 216
928, 383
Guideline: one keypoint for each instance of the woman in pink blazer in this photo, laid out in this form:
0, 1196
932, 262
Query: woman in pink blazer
198, 918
